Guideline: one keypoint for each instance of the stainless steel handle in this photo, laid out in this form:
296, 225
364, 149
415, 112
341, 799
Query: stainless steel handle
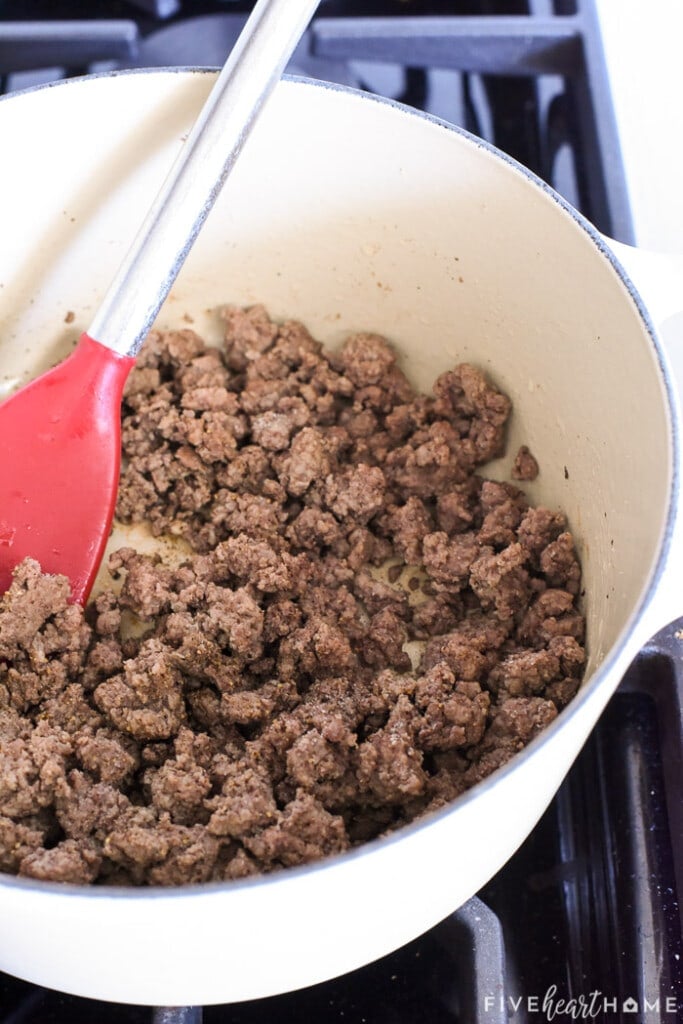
159, 249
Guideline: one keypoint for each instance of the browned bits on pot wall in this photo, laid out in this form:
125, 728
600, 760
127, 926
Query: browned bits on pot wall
267, 713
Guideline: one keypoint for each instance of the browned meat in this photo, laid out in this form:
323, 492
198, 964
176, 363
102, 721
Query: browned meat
267, 713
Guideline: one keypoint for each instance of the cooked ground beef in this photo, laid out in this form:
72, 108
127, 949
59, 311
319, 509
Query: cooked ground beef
266, 712
525, 466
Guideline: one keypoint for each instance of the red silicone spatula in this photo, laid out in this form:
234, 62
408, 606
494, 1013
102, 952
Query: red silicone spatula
60, 435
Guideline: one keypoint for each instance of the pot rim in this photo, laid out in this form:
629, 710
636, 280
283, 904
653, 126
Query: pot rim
587, 691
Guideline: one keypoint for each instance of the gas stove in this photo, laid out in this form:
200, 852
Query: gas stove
584, 921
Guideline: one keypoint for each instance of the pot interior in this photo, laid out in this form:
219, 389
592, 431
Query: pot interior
348, 214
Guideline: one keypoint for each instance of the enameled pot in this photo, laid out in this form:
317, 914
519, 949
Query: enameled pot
347, 212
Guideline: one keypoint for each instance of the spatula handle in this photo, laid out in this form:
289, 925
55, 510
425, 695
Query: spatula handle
190, 190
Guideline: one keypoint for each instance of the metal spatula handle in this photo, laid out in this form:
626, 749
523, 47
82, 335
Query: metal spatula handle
190, 190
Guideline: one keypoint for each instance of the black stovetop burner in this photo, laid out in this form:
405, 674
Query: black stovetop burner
587, 910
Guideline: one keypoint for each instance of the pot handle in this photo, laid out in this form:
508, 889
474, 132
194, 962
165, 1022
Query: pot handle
658, 278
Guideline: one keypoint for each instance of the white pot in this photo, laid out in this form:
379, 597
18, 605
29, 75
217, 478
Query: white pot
348, 213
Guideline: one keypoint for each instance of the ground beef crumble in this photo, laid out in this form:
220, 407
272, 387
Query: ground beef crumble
525, 466
271, 709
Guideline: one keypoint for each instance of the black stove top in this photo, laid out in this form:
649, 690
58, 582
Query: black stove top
583, 923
